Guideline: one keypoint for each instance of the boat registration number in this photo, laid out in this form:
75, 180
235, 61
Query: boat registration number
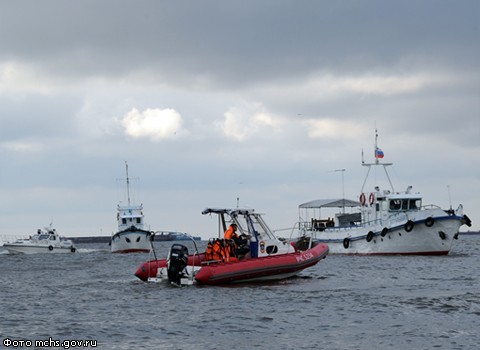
304, 257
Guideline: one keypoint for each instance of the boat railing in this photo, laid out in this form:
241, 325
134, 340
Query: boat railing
307, 226
195, 254
7, 238
301, 233
430, 206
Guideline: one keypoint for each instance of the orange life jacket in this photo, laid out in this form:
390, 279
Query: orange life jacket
209, 251
230, 233
214, 250
221, 250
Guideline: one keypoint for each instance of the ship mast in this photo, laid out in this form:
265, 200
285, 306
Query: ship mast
376, 163
128, 183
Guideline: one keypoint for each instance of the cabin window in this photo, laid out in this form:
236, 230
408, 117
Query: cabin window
395, 204
139, 220
124, 221
405, 204
415, 204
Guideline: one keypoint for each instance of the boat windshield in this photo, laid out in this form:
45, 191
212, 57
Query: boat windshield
255, 222
41, 237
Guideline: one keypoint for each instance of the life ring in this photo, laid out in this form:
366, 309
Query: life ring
369, 236
384, 232
409, 225
371, 199
363, 199
50, 248
442, 234
72, 250
429, 221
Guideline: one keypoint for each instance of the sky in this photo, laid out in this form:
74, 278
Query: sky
246, 103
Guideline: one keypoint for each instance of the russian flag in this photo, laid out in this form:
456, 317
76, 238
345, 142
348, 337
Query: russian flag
378, 153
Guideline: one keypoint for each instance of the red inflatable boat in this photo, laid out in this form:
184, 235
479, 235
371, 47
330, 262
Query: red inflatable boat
268, 258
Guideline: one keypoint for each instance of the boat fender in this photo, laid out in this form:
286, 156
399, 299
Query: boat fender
384, 232
50, 248
455, 236
369, 236
442, 234
371, 198
346, 243
72, 250
409, 225
363, 199
429, 221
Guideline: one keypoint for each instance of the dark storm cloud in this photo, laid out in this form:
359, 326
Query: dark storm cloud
235, 43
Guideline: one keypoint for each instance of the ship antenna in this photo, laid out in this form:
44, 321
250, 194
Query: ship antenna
128, 183
343, 186
449, 196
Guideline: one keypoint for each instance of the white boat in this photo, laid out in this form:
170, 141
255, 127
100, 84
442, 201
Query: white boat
382, 221
130, 237
45, 241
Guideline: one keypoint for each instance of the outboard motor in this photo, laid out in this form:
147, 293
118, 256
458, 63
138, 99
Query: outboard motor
176, 263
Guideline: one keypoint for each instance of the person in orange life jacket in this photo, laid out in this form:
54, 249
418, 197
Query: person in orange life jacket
241, 242
231, 232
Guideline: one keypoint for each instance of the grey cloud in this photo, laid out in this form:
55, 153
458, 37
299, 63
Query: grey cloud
224, 41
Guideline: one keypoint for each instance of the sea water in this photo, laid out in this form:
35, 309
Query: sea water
344, 302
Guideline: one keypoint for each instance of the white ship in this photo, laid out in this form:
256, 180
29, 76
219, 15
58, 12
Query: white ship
130, 237
383, 221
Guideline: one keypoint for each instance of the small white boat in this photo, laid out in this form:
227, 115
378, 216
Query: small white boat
45, 241
130, 237
382, 221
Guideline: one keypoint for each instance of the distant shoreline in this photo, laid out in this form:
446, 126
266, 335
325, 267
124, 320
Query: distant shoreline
106, 239
470, 233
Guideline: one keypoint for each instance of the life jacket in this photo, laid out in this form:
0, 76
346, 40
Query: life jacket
209, 251
215, 250
230, 233
220, 250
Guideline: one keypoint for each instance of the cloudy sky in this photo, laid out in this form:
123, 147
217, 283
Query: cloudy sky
210, 101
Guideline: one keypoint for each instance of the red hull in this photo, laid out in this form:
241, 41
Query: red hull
264, 268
